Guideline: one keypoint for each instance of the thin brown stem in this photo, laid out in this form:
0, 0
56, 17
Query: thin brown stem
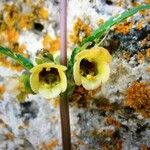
64, 106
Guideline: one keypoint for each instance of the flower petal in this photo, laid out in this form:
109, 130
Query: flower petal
102, 54
50, 93
48, 90
104, 71
91, 83
101, 57
63, 80
61, 67
76, 73
34, 81
39, 67
96, 53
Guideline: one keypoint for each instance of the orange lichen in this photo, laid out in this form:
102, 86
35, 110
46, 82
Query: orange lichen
144, 42
147, 1
124, 27
41, 12
56, 102
2, 90
50, 44
12, 35
137, 96
9, 136
127, 55
134, 4
115, 142
9, 64
139, 25
21, 49
144, 147
50, 146
111, 121
119, 3
81, 30
11, 14
148, 69
26, 21
117, 146
144, 12
148, 53
140, 57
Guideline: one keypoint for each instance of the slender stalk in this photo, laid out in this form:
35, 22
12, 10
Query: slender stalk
64, 106
63, 31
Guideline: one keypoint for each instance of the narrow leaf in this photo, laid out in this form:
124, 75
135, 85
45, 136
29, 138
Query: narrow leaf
24, 62
113, 21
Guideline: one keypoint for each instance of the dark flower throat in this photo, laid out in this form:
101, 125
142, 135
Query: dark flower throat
50, 76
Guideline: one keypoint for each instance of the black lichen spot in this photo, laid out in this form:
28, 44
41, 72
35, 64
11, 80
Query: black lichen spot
108, 2
125, 127
147, 28
29, 110
116, 134
55, 2
139, 79
96, 9
131, 41
38, 26
139, 34
141, 128
128, 110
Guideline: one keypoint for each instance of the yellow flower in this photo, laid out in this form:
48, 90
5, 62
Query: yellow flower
91, 67
48, 79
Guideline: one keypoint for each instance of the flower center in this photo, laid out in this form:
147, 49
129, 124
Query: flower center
49, 76
88, 68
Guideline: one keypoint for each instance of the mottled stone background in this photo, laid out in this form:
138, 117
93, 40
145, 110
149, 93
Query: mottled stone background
115, 116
